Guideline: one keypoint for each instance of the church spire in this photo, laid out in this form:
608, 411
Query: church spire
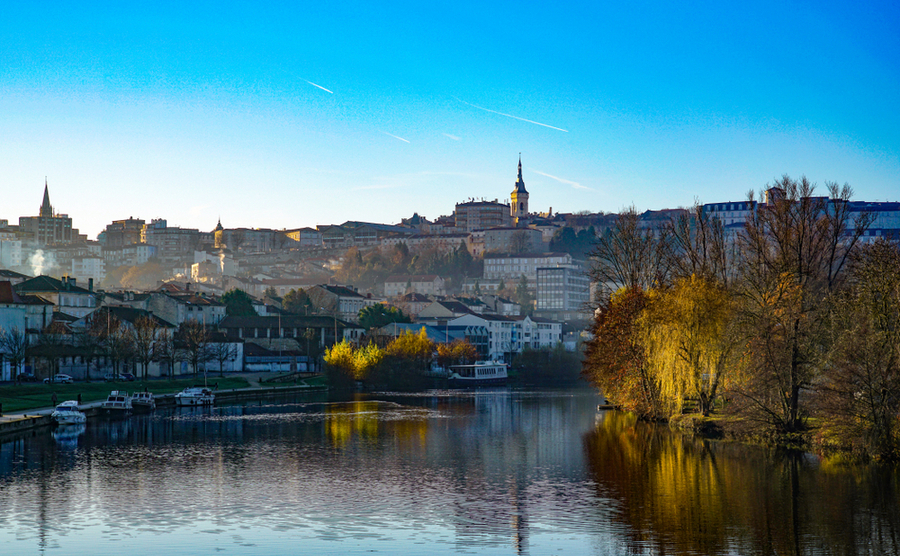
46, 208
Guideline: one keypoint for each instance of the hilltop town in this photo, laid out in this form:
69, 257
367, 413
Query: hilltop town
494, 274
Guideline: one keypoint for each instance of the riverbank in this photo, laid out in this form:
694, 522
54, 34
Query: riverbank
232, 388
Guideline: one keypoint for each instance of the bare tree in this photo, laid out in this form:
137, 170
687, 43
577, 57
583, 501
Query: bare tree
699, 247
222, 352
794, 249
15, 343
194, 340
630, 256
143, 335
165, 350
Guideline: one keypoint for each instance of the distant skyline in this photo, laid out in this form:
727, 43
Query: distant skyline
284, 115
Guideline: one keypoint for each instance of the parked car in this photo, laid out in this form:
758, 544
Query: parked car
59, 379
26, 377
111, 377
127, 377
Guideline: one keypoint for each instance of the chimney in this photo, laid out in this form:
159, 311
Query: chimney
90, 284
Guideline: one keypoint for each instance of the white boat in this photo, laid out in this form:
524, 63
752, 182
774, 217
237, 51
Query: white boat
143, 402
195, 395
483, 373
67, 413
117, 404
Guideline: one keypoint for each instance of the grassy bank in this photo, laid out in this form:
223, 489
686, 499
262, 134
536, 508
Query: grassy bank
22, 397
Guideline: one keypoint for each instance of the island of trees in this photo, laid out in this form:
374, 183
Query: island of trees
787, 329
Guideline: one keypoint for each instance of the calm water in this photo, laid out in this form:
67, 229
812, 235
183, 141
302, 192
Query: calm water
499, 472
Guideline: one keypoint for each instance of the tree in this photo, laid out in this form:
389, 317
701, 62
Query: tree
376, 316
15, 343
222, 352
699, 247
238, 303
524, 297
687, 333
615, 361
519, 242
117, 343
297, 301
794, 250
143, 335
457, 352
194, 340
629, 256
860, 390
166, 350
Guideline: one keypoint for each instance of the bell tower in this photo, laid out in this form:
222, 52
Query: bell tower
518, 206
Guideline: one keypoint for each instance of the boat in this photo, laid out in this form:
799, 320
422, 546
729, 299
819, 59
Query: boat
117, 404
67, 413
195, 395
143, 402
482, 373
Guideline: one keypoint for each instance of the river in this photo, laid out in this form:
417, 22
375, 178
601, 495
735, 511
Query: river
485, 472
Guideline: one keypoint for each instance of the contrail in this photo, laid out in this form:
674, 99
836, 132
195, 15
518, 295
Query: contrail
319, 86
394, 136
511, 116
574, 184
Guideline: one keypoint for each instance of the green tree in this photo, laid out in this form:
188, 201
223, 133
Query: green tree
378, 315
238, 303
524, 297
297, 301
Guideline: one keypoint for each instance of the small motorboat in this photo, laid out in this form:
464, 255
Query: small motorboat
117, 404
67, 413
142, 402
195, 395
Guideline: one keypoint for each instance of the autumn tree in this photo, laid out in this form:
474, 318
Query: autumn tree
861, 386
457, 352
688, 336
614, 357
794, 250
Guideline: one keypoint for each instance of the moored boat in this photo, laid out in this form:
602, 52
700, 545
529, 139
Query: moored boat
142, 402
195, 395
483, 373
67, 413
117, 404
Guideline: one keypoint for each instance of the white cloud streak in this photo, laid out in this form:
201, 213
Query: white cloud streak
574, 184
511, 116
454, 137
318, 86
395, 137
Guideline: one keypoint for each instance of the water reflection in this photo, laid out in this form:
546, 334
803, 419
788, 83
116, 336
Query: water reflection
501, 472
675, 495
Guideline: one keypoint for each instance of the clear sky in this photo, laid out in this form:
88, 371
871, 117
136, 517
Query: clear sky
290, 114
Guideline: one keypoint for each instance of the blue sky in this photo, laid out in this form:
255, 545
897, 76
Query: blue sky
273, 114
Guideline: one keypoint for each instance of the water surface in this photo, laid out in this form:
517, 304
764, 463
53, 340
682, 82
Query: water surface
488, 472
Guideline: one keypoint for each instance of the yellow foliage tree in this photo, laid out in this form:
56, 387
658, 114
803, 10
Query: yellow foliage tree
687, 334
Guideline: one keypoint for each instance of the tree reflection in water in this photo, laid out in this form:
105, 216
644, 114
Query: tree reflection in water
678, 495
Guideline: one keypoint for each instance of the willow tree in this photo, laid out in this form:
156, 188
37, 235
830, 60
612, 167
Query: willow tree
687, 332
